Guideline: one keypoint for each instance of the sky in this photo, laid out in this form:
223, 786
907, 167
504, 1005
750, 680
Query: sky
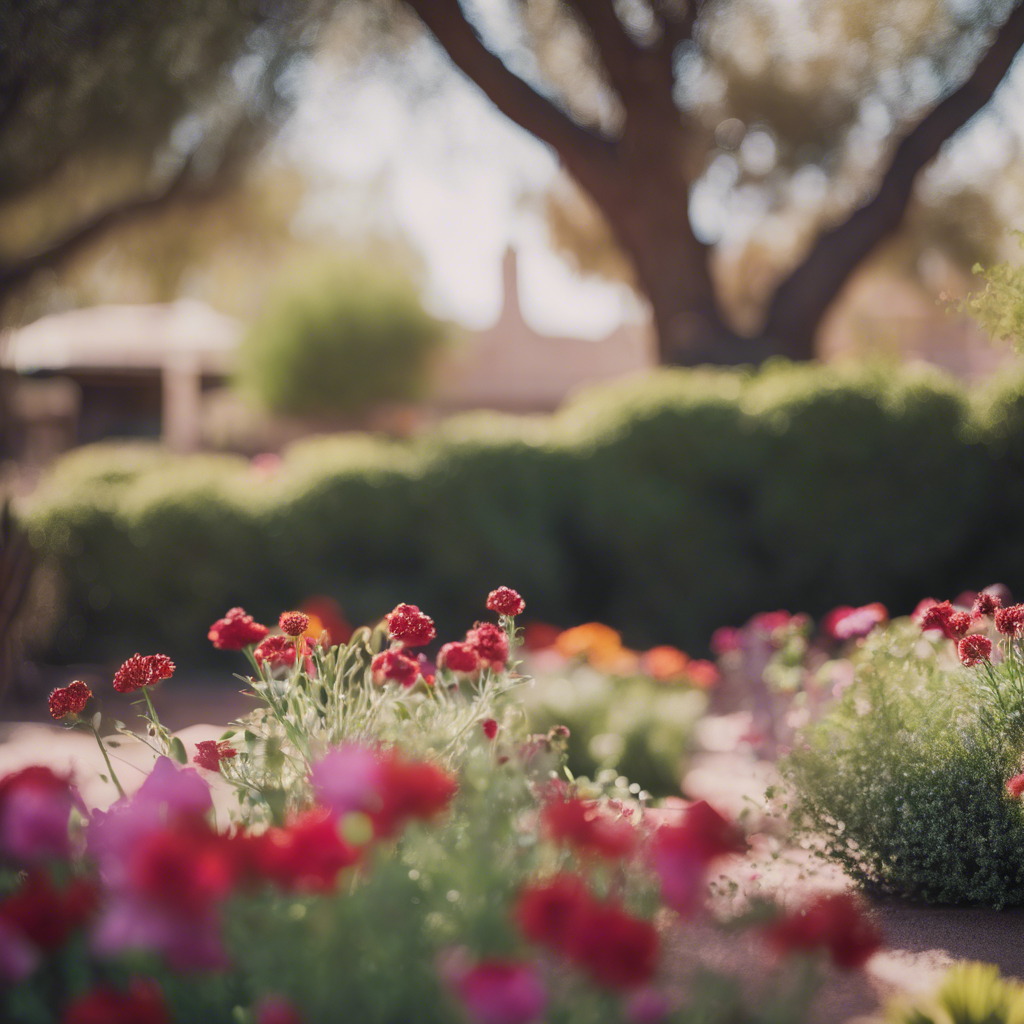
449, 173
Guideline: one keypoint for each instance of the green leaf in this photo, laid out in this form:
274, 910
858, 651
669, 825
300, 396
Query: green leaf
228, 734
178, 751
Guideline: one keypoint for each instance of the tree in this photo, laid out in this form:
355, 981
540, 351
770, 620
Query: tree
632, 138
111, 110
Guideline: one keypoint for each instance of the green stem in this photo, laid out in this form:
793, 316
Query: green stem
110, 767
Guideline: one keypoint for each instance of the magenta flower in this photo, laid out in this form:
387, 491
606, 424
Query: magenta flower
348, 778
35, 806
501, 992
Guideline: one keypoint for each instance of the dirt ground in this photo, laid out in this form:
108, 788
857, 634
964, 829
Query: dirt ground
921, 942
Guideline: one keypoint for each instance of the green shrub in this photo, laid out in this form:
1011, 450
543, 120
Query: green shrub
665, 506
903, 782
345, 338
640, 728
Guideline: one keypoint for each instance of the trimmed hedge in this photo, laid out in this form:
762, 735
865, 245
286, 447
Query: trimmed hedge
665, 505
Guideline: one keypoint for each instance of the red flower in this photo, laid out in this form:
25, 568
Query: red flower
490, 643
845, 623
326, 613
408, 625
681, 853
545, 913
186, 869
69, 700
236, 630
582, 825
45, 914
505, 601
410, 789
539, 636
143, 1003
139, 671
275, 652
293, 623
958, 624
490, 728
277, 1010
702, 674
305, 856
1015, 786
1010, 621
835, 923
986, 603
501, 992
396, 666
616, 949
458, 657
974, 649
726, 639
210, 753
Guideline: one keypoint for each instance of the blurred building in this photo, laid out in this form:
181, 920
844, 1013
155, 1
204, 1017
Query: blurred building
512, 367
117, 371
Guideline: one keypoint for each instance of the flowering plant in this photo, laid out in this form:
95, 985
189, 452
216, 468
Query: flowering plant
912, 781
397, 849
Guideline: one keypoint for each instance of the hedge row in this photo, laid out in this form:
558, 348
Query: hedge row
665, 506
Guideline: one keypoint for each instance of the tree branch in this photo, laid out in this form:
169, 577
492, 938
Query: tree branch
91, 229
518, 101
619, 54
801, 300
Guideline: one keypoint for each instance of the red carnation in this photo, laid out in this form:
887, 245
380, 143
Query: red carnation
491, 644
974, 649
139, 671
305, 856
294, 623
616, 949
545, 912
45, 914
236, 630
937, 617
505, 601
958, 624
1010, 621
1015, 786
210, 753
410, 789
490, 728
987, 603
408, 625
143, 1003
835, 923
276, 652
458, 657
396, 666
69, 700
582, 825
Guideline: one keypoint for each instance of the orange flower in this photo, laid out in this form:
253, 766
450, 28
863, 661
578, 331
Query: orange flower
666, 664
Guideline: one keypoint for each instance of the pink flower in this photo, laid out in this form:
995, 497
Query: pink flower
35, 806
974, 649
681, 853
726, 639
1015, 786
501, 992
505, 601
853, 623
647, 1006
348, 778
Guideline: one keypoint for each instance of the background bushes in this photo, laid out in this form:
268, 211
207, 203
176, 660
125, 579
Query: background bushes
665, 505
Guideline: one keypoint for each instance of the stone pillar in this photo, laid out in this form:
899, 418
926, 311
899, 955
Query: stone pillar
181, 420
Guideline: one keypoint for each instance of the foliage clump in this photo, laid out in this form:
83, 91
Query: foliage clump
348, 336
903, 783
